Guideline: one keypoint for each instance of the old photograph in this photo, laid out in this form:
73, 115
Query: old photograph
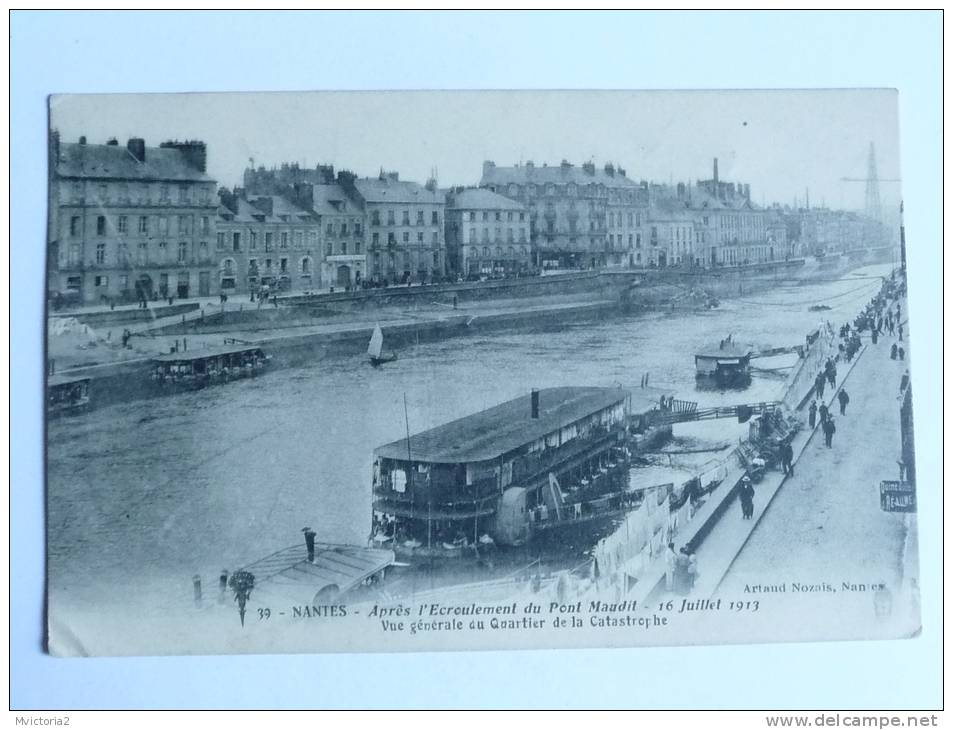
456, 370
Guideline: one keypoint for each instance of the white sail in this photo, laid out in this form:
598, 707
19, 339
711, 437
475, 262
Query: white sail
377, 342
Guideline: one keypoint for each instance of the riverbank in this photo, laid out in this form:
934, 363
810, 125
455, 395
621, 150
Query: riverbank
300, 334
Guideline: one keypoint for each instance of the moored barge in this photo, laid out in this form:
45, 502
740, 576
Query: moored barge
203, 367
527, 468
65, 395
727, 364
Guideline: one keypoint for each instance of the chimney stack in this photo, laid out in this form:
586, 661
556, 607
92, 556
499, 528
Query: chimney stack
137, 148
715, 172
534, 403
82, 139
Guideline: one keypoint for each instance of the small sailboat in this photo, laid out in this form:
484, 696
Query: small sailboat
375, 349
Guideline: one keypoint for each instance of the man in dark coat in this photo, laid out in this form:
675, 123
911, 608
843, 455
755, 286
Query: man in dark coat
893, 351
812, 414
824, 413
819, 385
829, 430
843, 399
787, 458
746, 496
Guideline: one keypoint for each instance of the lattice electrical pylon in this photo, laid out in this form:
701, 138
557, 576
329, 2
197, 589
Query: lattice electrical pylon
872, 190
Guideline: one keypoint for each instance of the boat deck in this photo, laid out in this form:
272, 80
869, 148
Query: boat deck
287, 577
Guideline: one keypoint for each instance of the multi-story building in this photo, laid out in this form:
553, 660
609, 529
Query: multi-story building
337, 207
265, 241
731, 229
568, 208
405, 224
486, 234
672, 231
131, 222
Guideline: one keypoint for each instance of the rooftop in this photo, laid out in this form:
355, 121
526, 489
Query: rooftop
541, 174
498, 430
481, 198
388, 190
115, 161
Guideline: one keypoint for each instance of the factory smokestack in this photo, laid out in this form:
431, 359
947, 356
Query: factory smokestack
534, 403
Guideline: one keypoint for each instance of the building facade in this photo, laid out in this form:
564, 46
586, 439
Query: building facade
131, 222
333, 201
731, 229
405, 225
265, 241
569, 209
486, 234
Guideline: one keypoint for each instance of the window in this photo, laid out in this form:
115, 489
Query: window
357, 229
343, 247
74, 254
486, 215
330, 229
283, 241
420, 237
144, 193
375, 238
183, 252
473, 252
203, 251
436, 238
375, 217
391, 239
123, 253
100, 253
163, 225
122, 224
74, 225
522, 234
164, 193
220, 242
313, 239
497, 234
473, 237
499, 215
143, 224
103, 192
357, 247
77, 190
405, 218
486, 235
390, 217
329, 249
163, 252
236, 241
486, 252
101, 280
183, 193
306, 265
205, 225
123, 282
509, 235
101, 225
522, 216
142, 254
420, 217
252, 240
406, 237
269, 240
184, 226
284, 265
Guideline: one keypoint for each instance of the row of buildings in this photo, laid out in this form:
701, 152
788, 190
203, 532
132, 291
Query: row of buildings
135, 222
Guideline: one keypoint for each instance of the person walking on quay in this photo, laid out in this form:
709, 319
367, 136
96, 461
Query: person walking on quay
682, 581
819, 385
829, 430
905, 380
873, 336
786, 454
812, 414
900, 332
824, 413
670, 560
746, 496
843, 399
893, 351
900, 352
831, 373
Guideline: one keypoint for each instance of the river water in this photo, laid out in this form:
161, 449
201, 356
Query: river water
143, 495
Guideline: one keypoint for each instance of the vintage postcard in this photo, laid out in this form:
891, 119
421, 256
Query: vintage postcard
397, 371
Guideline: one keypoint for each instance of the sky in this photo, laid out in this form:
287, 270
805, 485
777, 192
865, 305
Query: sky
783, 143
